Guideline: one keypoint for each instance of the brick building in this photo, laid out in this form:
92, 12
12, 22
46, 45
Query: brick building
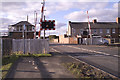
16, 30
103, 29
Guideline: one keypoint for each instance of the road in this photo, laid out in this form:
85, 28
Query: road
102, 57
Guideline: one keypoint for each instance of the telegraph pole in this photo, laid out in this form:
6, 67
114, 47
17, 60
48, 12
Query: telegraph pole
35, 20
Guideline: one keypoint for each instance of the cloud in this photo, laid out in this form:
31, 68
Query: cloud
4, 24
13, 12
102, 14
59, 25
60, 0
76, 15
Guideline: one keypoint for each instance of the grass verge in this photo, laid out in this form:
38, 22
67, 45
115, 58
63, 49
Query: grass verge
81, 70
8, 61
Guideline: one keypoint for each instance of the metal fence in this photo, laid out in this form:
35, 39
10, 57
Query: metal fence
28, 46
93, 41
98, 41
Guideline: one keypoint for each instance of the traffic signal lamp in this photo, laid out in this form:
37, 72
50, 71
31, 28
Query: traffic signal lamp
48, 24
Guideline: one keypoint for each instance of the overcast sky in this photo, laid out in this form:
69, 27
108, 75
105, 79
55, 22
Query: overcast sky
60, 11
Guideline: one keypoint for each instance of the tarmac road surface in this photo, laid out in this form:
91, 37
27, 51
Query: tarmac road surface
105, 58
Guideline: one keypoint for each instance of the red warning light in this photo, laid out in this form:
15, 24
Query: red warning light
53, 20
49, 20
41, 29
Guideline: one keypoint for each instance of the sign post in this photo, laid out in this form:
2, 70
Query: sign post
24, 38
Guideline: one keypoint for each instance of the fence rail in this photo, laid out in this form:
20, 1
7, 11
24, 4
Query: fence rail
17, 45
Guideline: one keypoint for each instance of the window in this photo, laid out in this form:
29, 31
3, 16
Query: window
73, 30
95, 31
17, 28
108, 30
20, 28
101, 31
113, 30
81, 31
14, 29
33, 28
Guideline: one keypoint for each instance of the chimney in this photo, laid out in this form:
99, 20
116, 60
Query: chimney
118, 19
95, 21
69, 21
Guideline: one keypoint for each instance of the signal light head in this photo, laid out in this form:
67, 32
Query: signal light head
53, 20
49, 20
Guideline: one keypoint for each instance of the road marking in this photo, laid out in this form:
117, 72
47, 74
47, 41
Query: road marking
92, 66
116, 56
86, 63
94, 51
56, 50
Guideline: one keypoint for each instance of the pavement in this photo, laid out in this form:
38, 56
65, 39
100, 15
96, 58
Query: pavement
42, 67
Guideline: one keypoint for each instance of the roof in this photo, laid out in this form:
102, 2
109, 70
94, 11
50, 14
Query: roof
21, 23
98, 25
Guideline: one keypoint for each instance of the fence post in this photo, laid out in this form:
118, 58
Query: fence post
29, 45
114, 40
1, 46
1, 58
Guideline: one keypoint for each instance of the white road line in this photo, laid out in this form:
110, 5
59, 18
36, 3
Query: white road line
86, 63
93, 51
116, 56
56, 50
92, 66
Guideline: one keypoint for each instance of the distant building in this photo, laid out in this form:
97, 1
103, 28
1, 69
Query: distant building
3, 33
103, 29
16, 30
64, 39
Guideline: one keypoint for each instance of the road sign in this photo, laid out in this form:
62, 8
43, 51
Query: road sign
48, 24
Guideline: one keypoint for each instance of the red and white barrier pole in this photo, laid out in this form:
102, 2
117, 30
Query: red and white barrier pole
42, 16
89, 28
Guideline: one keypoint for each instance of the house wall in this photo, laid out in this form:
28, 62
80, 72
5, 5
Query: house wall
69, 30
55, 40
68, 40
63, 40
73, 40
75, 31
19, 35
104, 32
